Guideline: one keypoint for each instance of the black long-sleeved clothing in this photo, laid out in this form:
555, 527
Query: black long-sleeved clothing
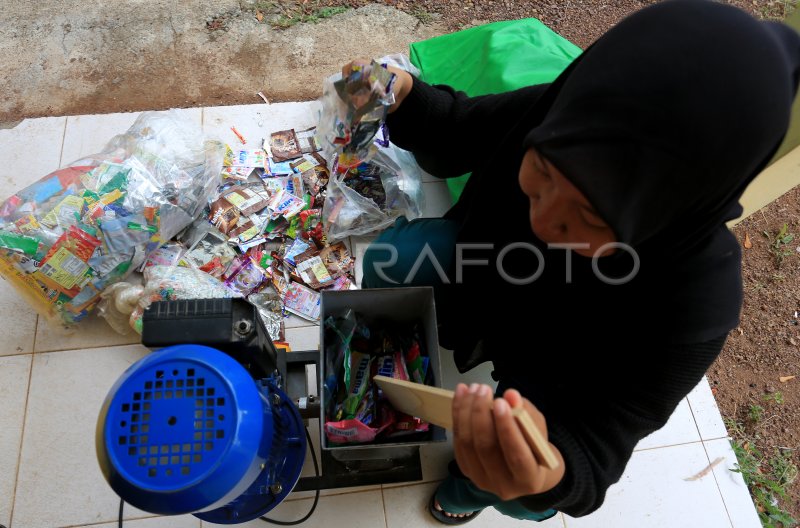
603, 379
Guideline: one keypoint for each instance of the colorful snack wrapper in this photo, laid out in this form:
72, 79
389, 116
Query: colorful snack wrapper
405, 425
359, 383
342, 283
284, 145
245, 276
302, 301
295, 186
351, 432
354, 109
297, 248
314, 273
237, 173
279, 168
249, 158
247, 200
24, 244
337, 259
307, 140
285, 204
224, 215
167, 255
211, 245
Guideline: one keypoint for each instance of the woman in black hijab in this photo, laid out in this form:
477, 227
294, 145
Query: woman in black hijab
588, 257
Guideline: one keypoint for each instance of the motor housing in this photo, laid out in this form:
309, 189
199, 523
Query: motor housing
187, 429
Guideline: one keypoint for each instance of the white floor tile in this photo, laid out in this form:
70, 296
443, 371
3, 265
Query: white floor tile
303, 338
89, 134
437, 199
29, 151
17, 321
706, 412
257, 121
14, 376
93, 332
60, 483
408, 506
351, 510
293, 321
177, 521
680, 429
653, 493
734, 491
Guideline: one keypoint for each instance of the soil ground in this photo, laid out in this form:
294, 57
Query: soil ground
95, 56
766, 346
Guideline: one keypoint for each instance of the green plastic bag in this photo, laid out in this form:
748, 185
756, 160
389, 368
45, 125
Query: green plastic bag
494, 58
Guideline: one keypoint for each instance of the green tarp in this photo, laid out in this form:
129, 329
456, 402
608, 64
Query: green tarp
494, 58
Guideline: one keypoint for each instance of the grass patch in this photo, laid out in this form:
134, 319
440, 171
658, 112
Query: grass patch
778, 244
421, 14
767, 475
283, 15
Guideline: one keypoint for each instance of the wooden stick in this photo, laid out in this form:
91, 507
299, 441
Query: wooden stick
435, 405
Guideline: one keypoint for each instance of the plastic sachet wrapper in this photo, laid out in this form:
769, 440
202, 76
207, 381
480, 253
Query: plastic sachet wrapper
353, 111
86, 226
209, 250
370, 196
171, 283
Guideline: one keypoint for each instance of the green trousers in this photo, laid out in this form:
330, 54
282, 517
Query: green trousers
460, 495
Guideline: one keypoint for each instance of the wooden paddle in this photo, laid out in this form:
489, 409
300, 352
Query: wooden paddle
435, 405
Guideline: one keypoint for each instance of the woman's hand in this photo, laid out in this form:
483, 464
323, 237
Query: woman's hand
490, 447
402, 83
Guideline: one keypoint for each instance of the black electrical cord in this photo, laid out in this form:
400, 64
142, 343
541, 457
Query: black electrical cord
267, 519
316, 491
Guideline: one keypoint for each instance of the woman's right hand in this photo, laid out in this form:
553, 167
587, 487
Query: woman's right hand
402, 83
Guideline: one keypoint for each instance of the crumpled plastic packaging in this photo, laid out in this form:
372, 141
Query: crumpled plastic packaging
371, 196
270, 308
117, 302
372, 181
354, 110
86, 226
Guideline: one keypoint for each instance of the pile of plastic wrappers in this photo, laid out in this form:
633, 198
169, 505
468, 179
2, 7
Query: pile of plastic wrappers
202, 219
356, 410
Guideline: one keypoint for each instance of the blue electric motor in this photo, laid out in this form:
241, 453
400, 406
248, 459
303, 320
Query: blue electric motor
187, 430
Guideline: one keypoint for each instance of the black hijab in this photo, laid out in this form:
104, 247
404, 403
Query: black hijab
662, 124
666, 119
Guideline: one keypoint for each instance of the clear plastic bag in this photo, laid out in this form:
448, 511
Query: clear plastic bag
373, 181
86, 226
371, 196
400, 60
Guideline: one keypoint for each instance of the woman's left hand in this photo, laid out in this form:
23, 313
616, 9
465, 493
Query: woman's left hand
490, 448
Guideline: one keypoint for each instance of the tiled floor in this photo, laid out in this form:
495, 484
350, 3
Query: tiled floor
52, 383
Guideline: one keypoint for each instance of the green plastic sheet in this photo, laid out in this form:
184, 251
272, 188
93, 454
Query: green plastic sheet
493, 58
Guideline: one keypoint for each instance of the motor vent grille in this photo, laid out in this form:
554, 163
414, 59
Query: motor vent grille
173, 423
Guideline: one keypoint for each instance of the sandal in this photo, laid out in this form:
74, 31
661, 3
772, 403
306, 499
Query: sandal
443, 518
